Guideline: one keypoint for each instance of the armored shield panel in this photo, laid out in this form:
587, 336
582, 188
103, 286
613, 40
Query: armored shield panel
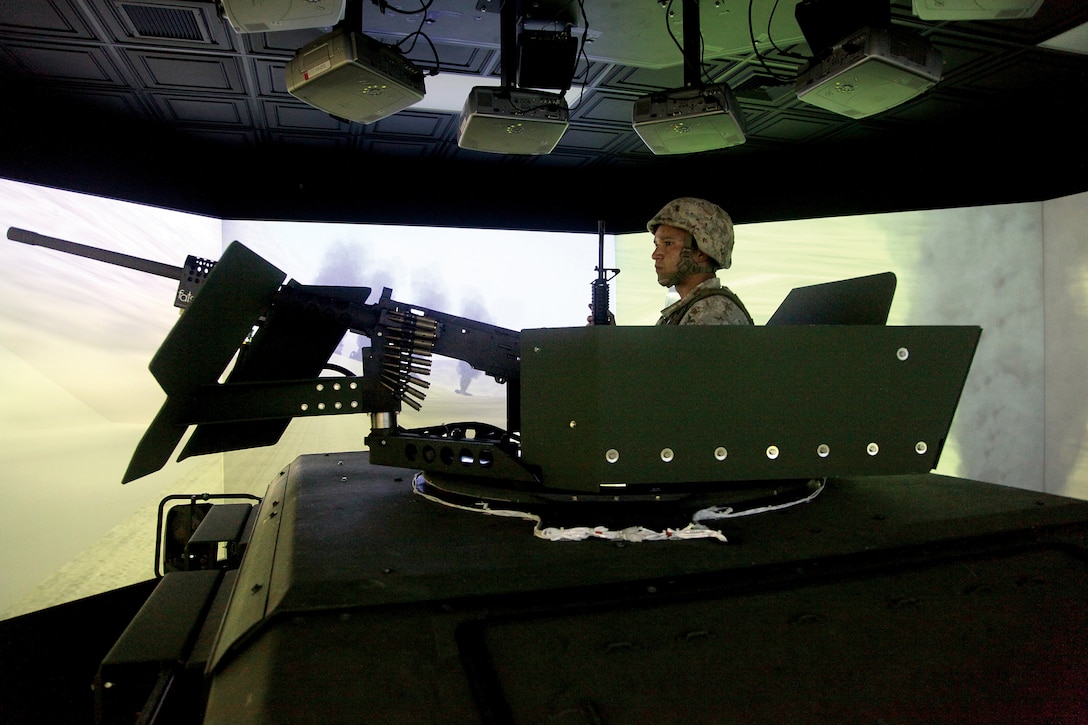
610, 408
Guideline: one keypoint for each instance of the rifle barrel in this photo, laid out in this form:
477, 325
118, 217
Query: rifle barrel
600, 249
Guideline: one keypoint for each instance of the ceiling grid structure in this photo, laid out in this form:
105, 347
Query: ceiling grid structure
91, 84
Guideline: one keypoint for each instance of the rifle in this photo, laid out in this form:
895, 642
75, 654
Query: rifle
599, 287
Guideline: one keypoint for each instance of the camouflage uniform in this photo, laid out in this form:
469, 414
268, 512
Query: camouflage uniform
708, 304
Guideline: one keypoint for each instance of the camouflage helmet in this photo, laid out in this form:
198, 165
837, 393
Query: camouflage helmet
707, 223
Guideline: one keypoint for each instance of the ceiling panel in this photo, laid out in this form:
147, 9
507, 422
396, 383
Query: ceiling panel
90, 83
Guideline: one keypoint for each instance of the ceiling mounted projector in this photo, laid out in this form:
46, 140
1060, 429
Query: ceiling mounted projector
266, 16
976, 9
871, 71
506, 120
354, 77
689, 120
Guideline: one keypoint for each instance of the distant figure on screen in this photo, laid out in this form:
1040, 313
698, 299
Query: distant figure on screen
467, 374
693, 239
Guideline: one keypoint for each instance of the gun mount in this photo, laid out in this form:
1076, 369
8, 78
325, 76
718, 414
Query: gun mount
591, 414
588, 411
283, 335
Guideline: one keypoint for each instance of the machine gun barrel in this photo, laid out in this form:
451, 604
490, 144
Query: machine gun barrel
101, 255
189, 278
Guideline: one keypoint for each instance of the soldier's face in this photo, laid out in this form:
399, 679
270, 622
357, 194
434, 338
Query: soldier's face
672, 255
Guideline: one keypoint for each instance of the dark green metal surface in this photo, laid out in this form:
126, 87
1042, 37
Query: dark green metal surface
663, 406
888, 599
292, 344
200, 346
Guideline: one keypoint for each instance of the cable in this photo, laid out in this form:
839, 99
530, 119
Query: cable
755, 49
424, 6
770, 38
700, 70
694, 530
728, 512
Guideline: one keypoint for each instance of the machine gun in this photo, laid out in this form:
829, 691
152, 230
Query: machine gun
588, 413
284, 334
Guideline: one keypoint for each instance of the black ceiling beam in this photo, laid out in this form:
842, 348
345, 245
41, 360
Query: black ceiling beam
508, 43
995, 155
693, 45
